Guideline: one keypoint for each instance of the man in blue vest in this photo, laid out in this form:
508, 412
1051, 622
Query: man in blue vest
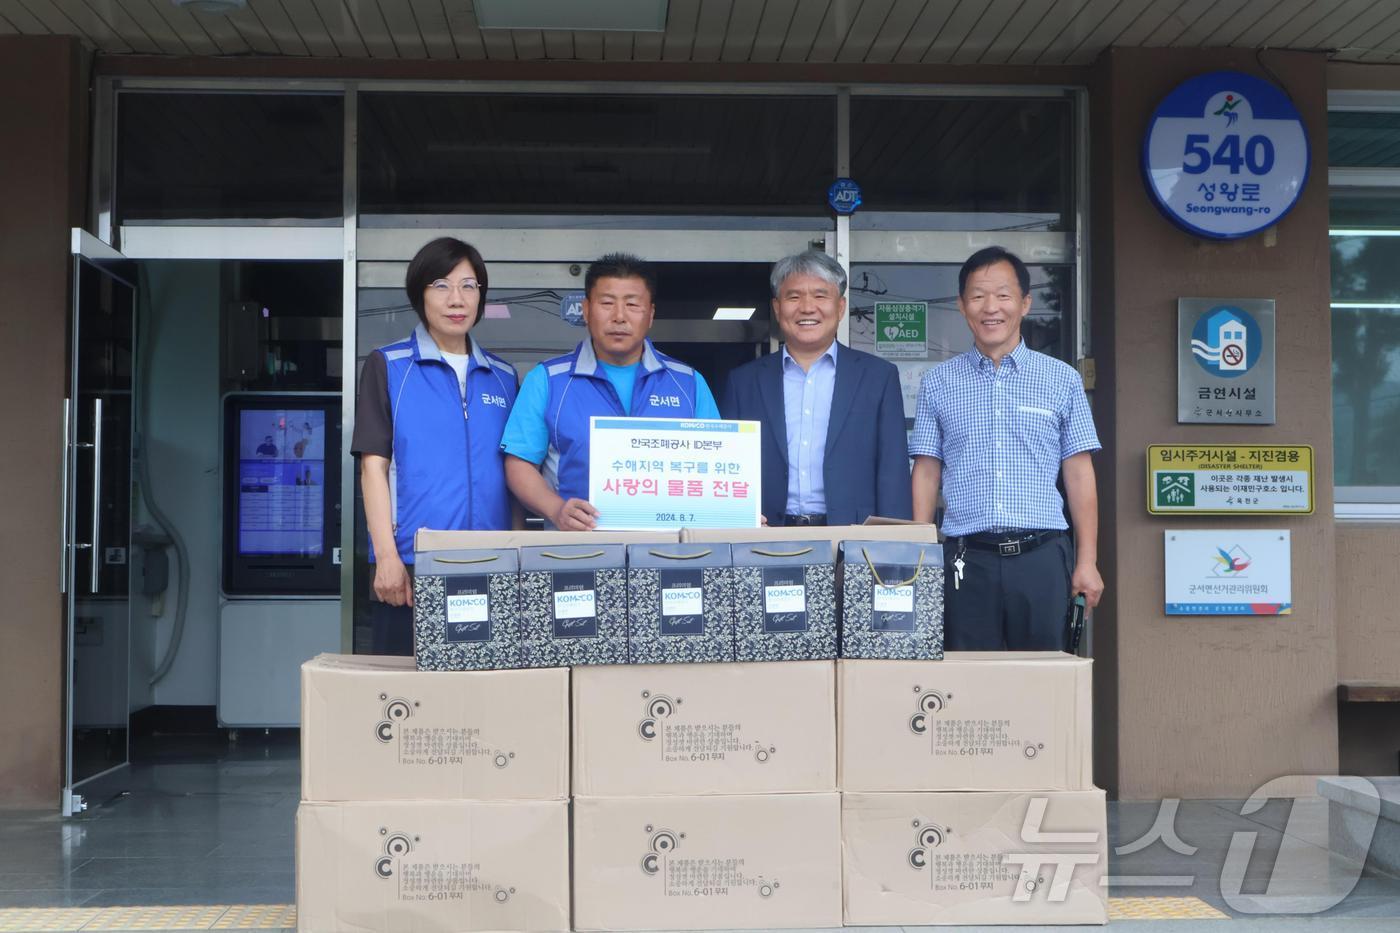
616, 372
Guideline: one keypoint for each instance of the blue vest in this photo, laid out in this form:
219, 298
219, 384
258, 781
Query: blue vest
578, 389
448, 471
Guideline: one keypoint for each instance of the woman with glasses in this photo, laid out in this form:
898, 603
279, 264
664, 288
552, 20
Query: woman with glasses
428, 425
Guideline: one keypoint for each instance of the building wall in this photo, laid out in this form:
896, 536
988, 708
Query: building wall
1209, 706
42, 177
1368, 644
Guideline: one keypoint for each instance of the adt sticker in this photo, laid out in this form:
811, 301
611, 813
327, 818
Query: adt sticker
1226, 155
843, 196
571, 308
1226, 342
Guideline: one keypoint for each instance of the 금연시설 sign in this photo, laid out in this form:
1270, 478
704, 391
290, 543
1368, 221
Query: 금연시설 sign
648, 473
1225, 155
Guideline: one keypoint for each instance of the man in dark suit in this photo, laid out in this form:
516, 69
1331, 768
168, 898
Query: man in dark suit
834, 448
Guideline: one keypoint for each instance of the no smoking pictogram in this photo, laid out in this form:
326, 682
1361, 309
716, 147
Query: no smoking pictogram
1232, 354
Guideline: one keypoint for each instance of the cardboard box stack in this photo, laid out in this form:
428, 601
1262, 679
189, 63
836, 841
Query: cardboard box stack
967, 793
705, 797
432, 801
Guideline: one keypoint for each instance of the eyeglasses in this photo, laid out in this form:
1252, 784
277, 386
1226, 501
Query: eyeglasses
444, 287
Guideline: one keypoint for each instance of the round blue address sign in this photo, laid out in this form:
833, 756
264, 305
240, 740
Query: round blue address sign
1226, 155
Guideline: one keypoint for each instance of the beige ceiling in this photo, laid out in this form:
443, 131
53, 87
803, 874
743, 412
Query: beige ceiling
873, 31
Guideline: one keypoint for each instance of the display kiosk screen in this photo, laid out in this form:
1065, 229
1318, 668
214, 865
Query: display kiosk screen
281, 492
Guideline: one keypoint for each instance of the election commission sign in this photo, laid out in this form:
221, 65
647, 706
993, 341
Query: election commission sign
1225, 155
1230, 572
1229, 480
658, 473
1225, 361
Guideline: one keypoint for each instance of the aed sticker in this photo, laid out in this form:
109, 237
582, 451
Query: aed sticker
683, 601
790, 598
894, 598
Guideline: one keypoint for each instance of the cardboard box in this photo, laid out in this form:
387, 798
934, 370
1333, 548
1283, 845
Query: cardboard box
784, 600
892, 599
573, 604
975, 858
680, 603
428, 539
419, 866
707, 863
974, 721
704, 729
466, 610
373, 728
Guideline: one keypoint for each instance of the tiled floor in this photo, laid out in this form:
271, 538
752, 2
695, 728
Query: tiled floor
210, 823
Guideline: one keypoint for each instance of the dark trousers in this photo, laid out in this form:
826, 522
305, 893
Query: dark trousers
1008, 603
391, 628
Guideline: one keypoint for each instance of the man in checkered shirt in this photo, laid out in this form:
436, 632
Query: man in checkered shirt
995, 427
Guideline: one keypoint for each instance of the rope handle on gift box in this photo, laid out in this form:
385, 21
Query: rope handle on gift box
805, 550
465, 560
554, 556
874, 573
705, 553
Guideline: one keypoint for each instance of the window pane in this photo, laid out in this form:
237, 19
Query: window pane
1363, 140
1365, 261
1047, 328
1366, 268
963, 164
1366, 396
515, 153
206, 156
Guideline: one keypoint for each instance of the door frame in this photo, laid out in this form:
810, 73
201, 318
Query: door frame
85, 249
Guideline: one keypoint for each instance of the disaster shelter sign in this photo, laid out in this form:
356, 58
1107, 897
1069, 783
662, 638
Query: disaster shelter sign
646, 473
1225, 361
1225, 155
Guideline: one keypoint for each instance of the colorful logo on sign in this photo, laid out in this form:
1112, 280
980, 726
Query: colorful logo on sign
1225, 155
1226, 341
1231, 563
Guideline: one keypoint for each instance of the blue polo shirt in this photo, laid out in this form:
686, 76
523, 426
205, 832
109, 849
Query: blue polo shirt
547, 426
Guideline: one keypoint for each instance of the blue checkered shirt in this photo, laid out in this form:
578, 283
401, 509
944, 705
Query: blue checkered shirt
1002, 433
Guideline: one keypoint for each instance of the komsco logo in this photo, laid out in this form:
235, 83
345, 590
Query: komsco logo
927, 702
396, 710
396, 846
658, 708
927, 837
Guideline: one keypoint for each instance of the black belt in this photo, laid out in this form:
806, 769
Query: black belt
1008, 543
804, 519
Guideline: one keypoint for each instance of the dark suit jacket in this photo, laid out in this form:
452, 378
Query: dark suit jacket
866, 463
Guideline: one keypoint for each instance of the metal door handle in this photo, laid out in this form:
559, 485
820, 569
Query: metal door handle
63, 531
96, 491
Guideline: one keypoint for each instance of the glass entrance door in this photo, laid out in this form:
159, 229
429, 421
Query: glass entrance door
97, 521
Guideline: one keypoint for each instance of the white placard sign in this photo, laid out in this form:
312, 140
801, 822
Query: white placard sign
1225, 155
1229, 572
663, 473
